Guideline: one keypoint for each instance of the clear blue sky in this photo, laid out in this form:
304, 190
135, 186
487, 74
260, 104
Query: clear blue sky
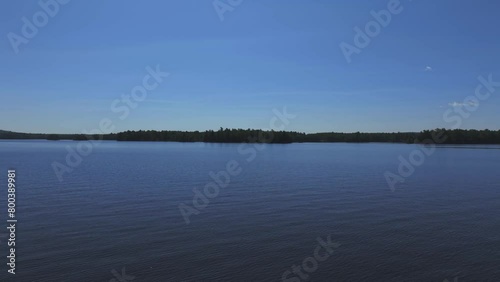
265, 54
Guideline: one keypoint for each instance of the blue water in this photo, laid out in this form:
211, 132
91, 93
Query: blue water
119, 209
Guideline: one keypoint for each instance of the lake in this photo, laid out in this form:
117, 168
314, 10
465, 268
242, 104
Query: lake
293, 212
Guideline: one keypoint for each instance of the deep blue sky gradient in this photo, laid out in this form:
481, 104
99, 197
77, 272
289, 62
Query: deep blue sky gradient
263, 55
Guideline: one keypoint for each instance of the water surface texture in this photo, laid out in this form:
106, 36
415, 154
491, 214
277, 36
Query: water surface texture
119, 211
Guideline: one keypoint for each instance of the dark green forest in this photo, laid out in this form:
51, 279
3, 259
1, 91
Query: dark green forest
226, 135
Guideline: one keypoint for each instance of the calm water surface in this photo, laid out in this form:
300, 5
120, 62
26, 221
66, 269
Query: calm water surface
120, 209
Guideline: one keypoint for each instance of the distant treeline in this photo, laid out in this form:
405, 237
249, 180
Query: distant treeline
222, 135
21, 136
